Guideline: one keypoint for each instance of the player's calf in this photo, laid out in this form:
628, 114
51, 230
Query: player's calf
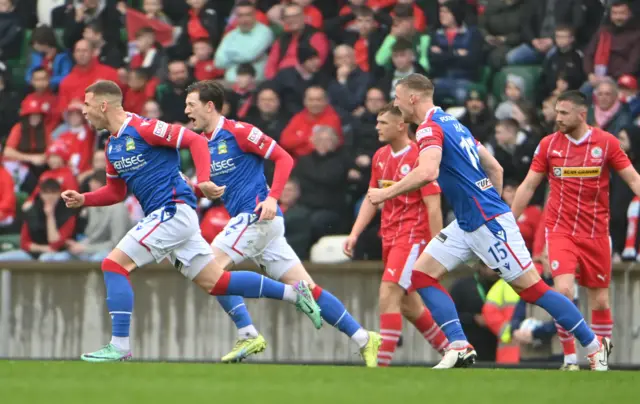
413, 310
601, 318
390, 320
565, 285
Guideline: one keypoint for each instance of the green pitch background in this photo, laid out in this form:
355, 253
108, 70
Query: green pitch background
36, 382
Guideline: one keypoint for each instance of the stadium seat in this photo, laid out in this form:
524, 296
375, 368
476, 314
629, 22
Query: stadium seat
530, 74
9, 242
328, 250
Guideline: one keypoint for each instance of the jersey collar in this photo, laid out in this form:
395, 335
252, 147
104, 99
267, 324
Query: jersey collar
124, 125
582, 139
430, 113
218, 127
401, 151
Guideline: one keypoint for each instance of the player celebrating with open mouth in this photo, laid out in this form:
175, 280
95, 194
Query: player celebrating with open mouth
256, 229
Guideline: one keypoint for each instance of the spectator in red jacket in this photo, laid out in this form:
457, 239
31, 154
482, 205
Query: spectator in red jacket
42, 94
284, 52
78, 137
57, 156
296, 137
47, 226
147, 53
201, 23
202, 61
86, 72
140, 89
7, 200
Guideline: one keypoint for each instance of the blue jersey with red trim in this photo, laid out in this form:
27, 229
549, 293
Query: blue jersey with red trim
238, 151
144, 154
463, 181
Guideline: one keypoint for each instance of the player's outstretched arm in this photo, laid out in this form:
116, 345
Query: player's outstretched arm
365, 216
525, 192
491, 166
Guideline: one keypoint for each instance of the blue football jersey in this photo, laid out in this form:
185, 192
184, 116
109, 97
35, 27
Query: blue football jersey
238, 151
144, 154
464, 183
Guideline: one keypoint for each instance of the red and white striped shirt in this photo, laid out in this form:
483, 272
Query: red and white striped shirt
404, 218
578, 173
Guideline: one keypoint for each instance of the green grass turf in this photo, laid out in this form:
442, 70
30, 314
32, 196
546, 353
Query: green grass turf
181, 383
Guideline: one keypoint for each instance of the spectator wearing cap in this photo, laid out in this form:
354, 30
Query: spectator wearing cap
477, 116
455, 55
46, 55
292, 82
564, 62
628, 86
78, 137
348, 90
514, 90
614, 50
366, 40
11, 31
247, 43
201, 23
76, 17
44, 96
87, 71
297, 136
57, 157
607, 111
48, 224
404, 63
297, 35
403, 28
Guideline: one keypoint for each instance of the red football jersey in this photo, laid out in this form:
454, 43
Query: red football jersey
578, 172
404, 218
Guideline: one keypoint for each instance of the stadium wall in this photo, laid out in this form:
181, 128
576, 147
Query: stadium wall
57, 311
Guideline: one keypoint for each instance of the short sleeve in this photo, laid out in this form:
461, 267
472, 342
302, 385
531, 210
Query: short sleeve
540, 163
429, 135
432, 188
617, 158
252, 140
13, 141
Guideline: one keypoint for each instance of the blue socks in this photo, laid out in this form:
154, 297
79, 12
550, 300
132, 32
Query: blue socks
119, 302
443, 311
234, 306
334, 312
249, 284
567, 315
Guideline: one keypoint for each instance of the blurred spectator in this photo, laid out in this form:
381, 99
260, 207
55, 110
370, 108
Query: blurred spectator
403, 27
80, 13
141, 87
248, 43
201, 23
500, 25
564, 62
98, 163
478, 117
267, 114
296, 219
214, 220
243, 90
322, 176
43, 95
11, 31
419, 19
469, 294
7, 200
530, 219
86, 72
348, 90
615, 49
312, 16
78, 137
514, 91
57, 156
47, 227
513, 149
291, 83
549, 115
46, 55
607, 112
628, 87
284, 52
153, 11
202, 62
233, 20
106, 226
107, 53
404, 64
9, 103
455, 55
538, 28
148, 54
171, 95
151, 110
297, 137
524, 112
365, 40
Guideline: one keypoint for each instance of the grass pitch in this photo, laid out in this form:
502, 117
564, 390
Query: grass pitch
37, 382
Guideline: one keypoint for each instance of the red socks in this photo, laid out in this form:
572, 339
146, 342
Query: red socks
568, 345
431, 332
390, 329
602, 322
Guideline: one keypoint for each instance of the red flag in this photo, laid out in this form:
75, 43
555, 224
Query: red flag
137, 20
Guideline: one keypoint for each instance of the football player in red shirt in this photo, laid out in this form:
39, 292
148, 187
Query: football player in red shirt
577, 160
408, 222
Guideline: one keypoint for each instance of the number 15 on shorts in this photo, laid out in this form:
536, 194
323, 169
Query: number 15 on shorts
499, 253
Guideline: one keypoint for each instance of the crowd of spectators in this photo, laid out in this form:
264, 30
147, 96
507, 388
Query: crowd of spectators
313, 76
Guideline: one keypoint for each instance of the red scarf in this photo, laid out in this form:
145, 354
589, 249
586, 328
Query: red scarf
244, 106
603, 51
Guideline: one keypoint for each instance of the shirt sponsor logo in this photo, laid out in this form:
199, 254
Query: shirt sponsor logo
126, 164
385, 183
222, 167
422, 133
129, 144
161, 129
484, 184
577, 172
254, 135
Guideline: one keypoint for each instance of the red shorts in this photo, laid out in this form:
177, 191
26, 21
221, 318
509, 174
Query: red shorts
399, 260
586, 258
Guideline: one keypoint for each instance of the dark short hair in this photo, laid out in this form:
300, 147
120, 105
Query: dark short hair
44, 35
245, 3
143, 73
105, 87
96, 27
144, 31
418, 82
39, 69
50, 185
510, 124
403, 11
246, 68
100, 176
364, 11
402, 44
392, 109
575, 97
209, 91
565, 27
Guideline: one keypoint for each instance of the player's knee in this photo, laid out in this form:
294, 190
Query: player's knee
109, 265
534, 292
390, 297
411, 308
598, 299
565, 288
